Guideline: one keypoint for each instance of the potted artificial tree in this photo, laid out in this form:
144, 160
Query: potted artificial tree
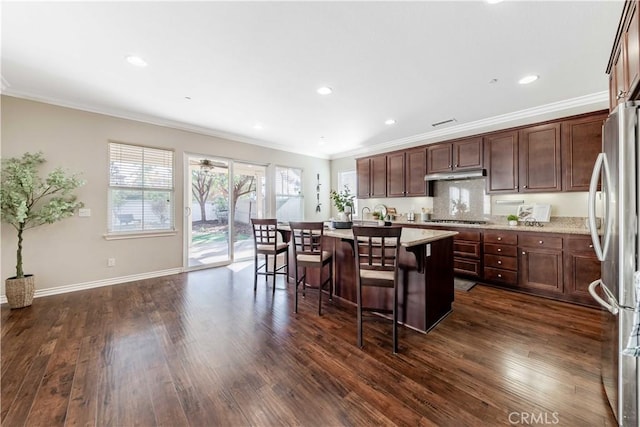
343, 201
27, 201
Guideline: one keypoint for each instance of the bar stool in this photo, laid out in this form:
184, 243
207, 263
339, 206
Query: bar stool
308, 253
376, 250
265, 240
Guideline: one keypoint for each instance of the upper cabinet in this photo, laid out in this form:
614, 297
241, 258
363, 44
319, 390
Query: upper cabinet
624, 63
501, 161
455, 155
549, 157
539, 159
371, 174
415, 170
581, 144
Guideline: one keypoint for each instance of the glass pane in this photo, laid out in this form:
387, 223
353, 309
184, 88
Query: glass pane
248, 190
125, 207
157, 211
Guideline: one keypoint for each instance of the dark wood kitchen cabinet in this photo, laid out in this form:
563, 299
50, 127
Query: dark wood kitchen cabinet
581, 144
371, 173
405, 173
501, 161
624, 62
415, 170
467, 252
540, 264
500, 258
395, 174
581, 267
456, 155
539, 159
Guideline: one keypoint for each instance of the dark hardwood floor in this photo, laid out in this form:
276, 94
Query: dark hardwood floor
201, 349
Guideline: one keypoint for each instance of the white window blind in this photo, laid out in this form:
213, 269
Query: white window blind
140, 189
288, 191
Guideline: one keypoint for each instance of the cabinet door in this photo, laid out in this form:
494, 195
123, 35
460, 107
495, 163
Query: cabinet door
415, 168
619, 75
581, 267
540, 270
363, 176
378, 176
581, 143
439, 158
467, 154
539, 155
633, 51
501, 161
395, 174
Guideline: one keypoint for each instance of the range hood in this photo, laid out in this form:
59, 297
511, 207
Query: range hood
449, 176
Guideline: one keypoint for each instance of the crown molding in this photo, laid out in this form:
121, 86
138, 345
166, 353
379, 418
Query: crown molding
158, 121
581, 104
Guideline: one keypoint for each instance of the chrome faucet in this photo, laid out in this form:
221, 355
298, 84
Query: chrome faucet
362, 213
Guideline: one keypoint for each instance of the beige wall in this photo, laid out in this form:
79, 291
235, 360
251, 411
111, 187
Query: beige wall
74, 251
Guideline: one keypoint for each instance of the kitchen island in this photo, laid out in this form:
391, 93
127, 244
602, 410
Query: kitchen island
425, 293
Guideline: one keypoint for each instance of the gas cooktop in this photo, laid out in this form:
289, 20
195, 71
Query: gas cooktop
458, 221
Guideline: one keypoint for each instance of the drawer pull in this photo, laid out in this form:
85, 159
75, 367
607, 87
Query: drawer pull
524, 253
499, 250
499, 262
541, 242
499, 275
591, 246
499, 238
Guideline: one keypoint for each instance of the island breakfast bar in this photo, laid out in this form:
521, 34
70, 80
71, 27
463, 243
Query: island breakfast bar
425, 275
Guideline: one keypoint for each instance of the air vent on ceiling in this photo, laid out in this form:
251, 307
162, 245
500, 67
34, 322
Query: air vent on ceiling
444, 122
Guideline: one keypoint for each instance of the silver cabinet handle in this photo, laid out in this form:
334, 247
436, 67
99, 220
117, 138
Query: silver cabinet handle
524, 186
499, 262
499, 275
541, 242
524, 253
499, 250
621, 94
499, 238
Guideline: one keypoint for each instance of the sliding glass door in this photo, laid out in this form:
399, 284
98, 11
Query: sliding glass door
222, 197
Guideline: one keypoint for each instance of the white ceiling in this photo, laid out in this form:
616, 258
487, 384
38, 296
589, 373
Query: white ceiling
244, 63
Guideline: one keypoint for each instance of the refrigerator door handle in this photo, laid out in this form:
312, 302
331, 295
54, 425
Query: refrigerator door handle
600, 165
612, 305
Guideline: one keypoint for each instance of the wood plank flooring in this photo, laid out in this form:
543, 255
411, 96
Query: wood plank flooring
201, 349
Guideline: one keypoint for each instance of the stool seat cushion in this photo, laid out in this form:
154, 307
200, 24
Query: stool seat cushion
314, 258
266, 248
377, 274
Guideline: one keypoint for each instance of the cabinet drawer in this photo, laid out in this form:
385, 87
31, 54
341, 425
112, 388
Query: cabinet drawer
466, 249
502, 262
579, 244
472, 236
501, 237
501, 276
541, 241
468, 267
500, 249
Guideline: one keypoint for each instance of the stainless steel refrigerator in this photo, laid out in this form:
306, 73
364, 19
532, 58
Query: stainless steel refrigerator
616, 244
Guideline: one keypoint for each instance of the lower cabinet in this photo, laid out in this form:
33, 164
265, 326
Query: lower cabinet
500, 261
466, 253
581, 267
540, 263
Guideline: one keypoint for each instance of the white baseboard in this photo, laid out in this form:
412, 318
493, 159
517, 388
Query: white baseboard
99, 283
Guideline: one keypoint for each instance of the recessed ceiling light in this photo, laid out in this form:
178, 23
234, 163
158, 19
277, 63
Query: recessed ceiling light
493, 81
325, 90
136, 60
389, 122
188, 98
528, 79
258, 126
321, 141
494, 1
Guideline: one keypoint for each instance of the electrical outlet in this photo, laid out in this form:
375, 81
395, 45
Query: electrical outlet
111, 262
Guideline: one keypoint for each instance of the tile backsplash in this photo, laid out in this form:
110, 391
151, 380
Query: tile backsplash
461, 199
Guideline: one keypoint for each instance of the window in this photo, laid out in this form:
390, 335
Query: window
140, 189
350, 179
289, 199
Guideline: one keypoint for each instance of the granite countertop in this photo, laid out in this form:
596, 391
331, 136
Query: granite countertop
546, 228
409, 237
